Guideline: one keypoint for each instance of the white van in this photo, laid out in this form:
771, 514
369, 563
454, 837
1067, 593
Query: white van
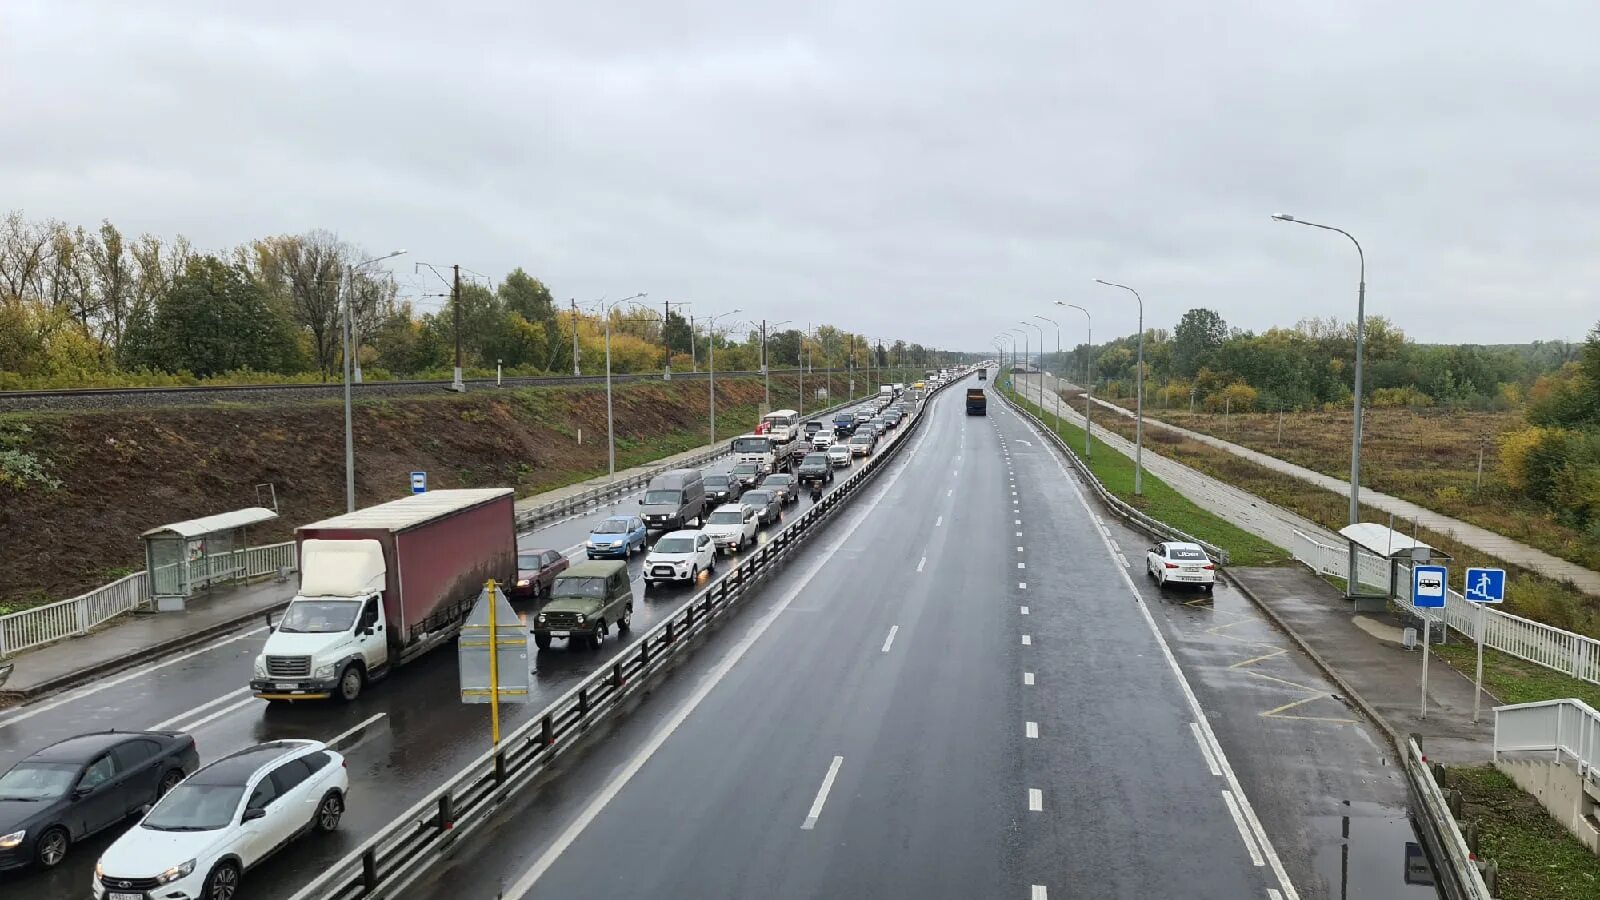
782, 424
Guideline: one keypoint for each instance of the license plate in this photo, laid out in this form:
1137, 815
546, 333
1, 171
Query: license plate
278, 686
124, 895
561, 634
1190, 569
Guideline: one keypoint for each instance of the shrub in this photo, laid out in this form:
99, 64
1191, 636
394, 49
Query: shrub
1395, 397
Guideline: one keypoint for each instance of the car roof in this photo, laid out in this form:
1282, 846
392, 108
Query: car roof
623, 519
759, 490
1183, 545
729, 507
239, 766
682, 533
593, 568
84, 746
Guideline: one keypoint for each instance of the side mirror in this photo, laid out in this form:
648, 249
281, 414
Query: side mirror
144, 810
250, 815
78, 793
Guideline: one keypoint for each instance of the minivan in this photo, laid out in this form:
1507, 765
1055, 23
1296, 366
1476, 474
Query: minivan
673, 498
585, 602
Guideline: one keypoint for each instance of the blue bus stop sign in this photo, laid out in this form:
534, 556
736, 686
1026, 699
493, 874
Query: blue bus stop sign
1485, 586
419, 482
1428, 586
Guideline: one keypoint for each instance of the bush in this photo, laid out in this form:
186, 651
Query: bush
1237, 397
1396, 397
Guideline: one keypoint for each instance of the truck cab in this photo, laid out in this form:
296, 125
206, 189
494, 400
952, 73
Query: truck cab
332, 638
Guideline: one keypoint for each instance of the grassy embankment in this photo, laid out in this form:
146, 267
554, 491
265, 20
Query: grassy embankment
1538, 859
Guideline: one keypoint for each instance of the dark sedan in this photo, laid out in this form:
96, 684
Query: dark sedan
536, 571
76, 787
786, 486
722, 488
767, 504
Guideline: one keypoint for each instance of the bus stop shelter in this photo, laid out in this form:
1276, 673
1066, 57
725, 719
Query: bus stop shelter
1387, 550
185, 557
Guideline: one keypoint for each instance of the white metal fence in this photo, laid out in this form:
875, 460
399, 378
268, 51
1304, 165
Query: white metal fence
32, 627
1554, 648
1569, 727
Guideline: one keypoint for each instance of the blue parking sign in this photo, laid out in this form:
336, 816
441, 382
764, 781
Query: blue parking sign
1428, 586
1485, 586
419, 482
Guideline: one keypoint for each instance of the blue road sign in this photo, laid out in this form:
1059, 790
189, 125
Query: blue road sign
419, 482
1485, 586
1428, 586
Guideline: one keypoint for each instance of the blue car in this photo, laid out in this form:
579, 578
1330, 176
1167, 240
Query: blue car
616, 537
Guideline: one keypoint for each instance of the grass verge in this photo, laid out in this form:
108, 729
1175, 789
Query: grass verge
1538, 859
1515, 680
1161, 502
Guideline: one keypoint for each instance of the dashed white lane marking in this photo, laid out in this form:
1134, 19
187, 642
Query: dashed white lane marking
949, 492
355, 728
1124, 560
191, 726
1019, 549
1272, 894
1024, 610
888, 641
1027, 640
1205, 749
164, 724
1039, 893
1030, 729
921, 563
1035, 800
1023, 585
1244, 830
939, 521
822, 794
1027, 678
1022, 565
1018, 521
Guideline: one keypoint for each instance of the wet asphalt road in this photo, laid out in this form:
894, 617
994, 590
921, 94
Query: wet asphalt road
888, 721
418, 733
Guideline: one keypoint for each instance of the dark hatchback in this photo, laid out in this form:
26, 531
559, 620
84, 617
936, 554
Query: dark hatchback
85, 784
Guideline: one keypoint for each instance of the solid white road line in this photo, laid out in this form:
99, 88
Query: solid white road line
921, 563
889, 641
353, 729
1205, 750
822, 794
1039, 893
1243, 802
97, 687
1027, 640
1027, 678
164, 724
1035, 800
191, 726
1272, 894
1030, 729
1244, 830
601, 800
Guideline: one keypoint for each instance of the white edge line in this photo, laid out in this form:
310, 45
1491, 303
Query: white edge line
1205, 750
889, 641
822, 794
1244, 830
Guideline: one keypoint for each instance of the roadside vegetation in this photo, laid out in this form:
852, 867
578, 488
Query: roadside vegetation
1538, 859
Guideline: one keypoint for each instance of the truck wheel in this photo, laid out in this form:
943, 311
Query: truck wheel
542, 641
599, 636
351, 682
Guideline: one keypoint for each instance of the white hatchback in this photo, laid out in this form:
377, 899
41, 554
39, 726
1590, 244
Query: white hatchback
1176, 562
198, 841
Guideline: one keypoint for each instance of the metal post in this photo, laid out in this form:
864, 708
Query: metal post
498, 364
349, 434
694, 361
1088, 378
666, 319
575, 370
1426, 624
1138, 428
611, 424
494, 668
1477, 695
766, 379
456, 384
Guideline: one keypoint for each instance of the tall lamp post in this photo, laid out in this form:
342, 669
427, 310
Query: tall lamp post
1138, 428
611, 425
1055, 395
349, 433
1355, 430
1088, 376
1040, 329
1016, 361
666, 306
766, 370
711, 364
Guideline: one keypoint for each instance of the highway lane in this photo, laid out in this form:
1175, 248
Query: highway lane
423, 732
865, 731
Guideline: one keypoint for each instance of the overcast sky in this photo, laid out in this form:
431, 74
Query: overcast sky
924, 169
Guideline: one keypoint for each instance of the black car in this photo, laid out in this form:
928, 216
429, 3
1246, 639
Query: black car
723, 488
816, 467
767, 504
748, 474
786, 485
76, 787
812, 427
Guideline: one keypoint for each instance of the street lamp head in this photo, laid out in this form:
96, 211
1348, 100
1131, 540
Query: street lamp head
1104, 282
1283, 217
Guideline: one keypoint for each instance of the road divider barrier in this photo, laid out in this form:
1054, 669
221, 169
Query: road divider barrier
389, 861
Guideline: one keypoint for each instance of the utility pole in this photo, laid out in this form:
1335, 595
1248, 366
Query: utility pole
766, 380
666, 317
575, 370
694, 362
457, 384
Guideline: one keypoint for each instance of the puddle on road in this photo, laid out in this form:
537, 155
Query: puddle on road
1370, 852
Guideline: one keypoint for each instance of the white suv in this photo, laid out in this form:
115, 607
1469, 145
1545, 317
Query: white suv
225, 818
680, 556
731, 526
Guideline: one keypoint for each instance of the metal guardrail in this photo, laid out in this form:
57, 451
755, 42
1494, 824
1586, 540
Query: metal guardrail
1554, 648
1455, 865
67, 618
392, 859
1144, 522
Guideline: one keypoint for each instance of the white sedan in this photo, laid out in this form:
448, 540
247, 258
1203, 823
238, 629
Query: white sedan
680, 556
1180, 563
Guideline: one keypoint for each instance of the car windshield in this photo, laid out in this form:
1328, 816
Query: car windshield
1185, 553
839, 448
860, 439
660, 498
757, 497
611, 526
195, 807
319, 616
724, 517
37, 781
528, 562
752, 445
815, 459
716, 481
746, 469
780, 480
586, 588
677, 544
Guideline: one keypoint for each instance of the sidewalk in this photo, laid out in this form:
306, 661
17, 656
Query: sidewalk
1481, 539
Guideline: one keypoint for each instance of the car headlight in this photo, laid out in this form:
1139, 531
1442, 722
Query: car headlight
522, 582
7, 841
182, 870
540, 620
261, 666
582, 618
324, 671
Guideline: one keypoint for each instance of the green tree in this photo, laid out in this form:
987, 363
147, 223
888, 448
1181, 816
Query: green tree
1200, 333
217, 319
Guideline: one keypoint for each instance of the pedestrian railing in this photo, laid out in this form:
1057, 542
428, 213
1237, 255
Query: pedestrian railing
66, 618
1140, 520
389, 861
1554, 648
1566, 728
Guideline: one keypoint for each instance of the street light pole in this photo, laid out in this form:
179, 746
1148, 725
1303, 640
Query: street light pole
711, 365
1088, 378
1355, 429
766, 366
1040, 329
611, 423
349, 431
1055, 396
1138, 428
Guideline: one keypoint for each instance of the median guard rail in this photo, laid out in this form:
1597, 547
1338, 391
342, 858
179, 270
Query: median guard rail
1455, 865
67, 618
1554, 648
392, 859
1141, 521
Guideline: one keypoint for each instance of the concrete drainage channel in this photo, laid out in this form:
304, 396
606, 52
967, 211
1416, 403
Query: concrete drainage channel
1459, 875
406, 848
